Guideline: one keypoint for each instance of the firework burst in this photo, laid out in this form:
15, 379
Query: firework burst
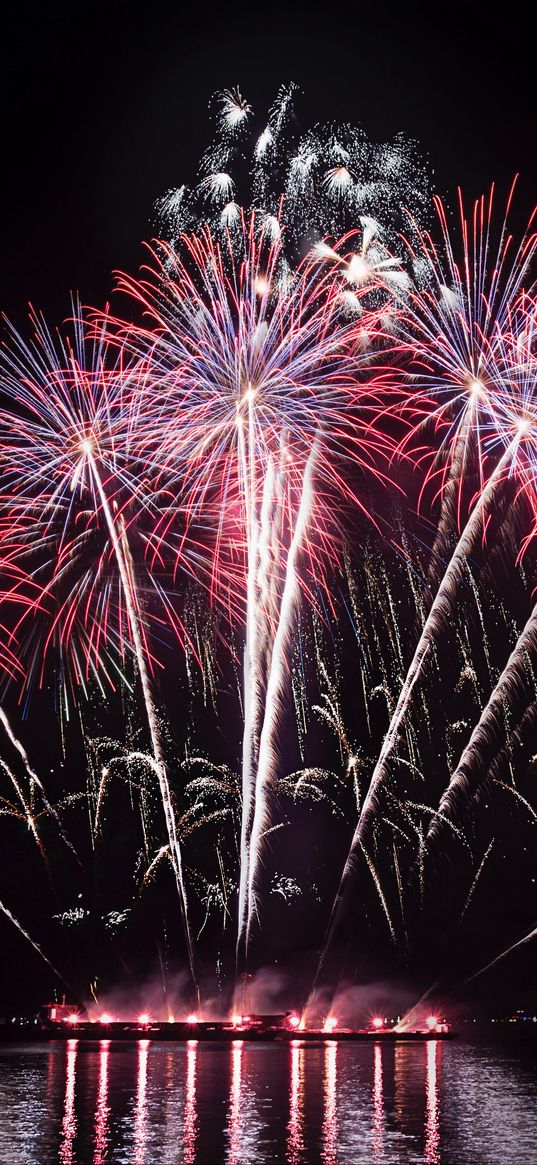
69, 503
259, 387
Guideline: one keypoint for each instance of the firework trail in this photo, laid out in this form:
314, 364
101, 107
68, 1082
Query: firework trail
28, 937
27, 803
520, 942
252, 679
479, 871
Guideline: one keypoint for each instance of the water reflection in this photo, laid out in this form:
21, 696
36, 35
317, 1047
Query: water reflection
69, 1122
140, 1116
378, 1104
404, 1110
330, 1130
234, 1121
432, 1131
102, 1110
190, 1120
244, 1103
295, 1128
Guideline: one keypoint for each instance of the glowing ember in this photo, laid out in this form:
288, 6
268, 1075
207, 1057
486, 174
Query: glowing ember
105, 1018
192, 1019
74, 1018
378, 1022
143, 1019
294, 1021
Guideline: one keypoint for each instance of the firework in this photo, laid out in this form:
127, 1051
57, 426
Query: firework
191, 478
460, 332
460, 312
258, 387
515, 410
66, 433
303, 186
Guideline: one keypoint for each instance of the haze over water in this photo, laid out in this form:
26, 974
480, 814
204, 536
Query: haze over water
240, 1103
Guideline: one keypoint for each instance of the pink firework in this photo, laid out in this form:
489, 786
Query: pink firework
72, 508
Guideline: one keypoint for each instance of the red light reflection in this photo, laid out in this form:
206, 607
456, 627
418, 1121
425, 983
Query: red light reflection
102, 1113
431, 1154
140, 1118
330, 1129
69, 1116
190, 1117
295, 1130
234, 1154
378, 1103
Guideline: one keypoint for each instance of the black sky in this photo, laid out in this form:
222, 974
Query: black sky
105, 106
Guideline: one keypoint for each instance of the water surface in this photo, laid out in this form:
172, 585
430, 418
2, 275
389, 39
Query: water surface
240, 1103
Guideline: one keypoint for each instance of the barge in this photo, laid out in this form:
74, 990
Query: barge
64, 1022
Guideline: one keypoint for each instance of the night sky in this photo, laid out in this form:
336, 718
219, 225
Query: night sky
106, 106
103, 109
